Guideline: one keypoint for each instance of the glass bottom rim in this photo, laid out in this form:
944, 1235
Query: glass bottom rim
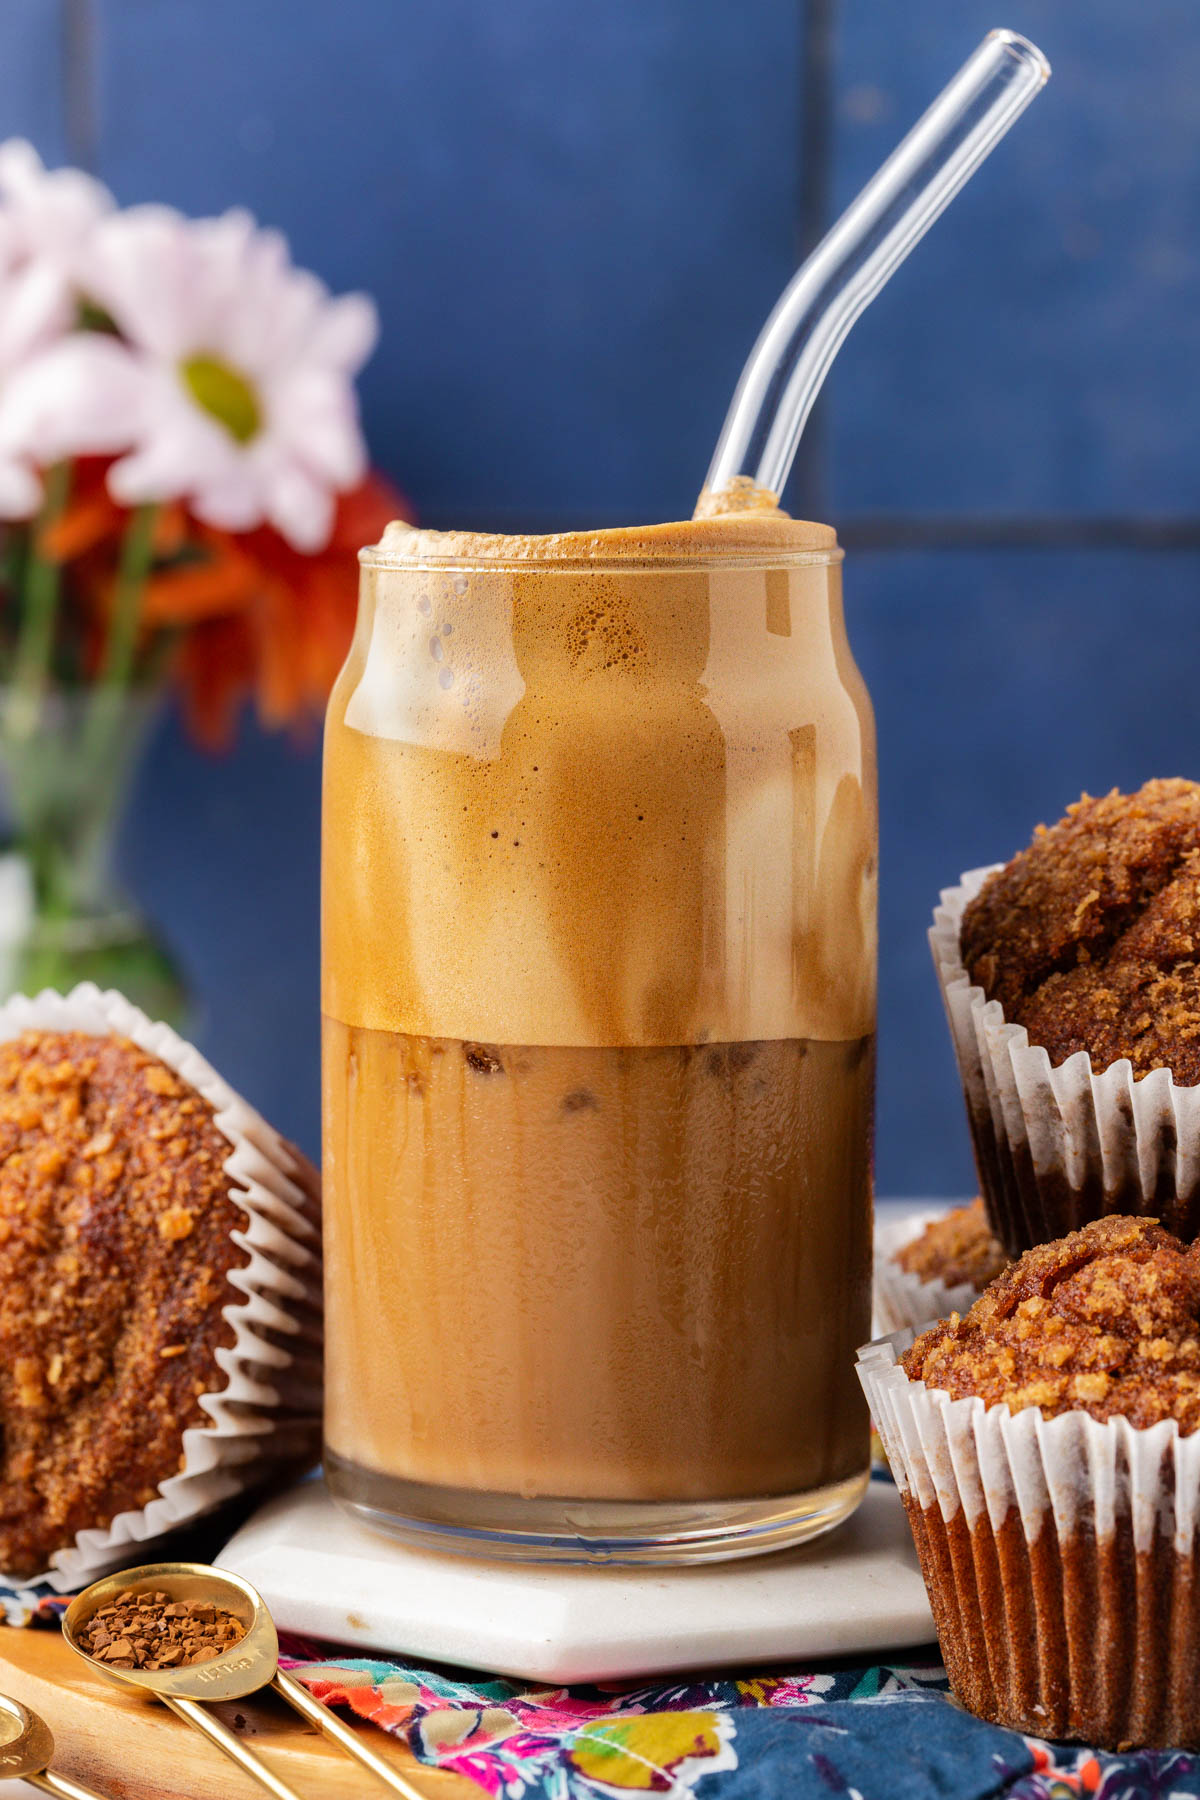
508, 1528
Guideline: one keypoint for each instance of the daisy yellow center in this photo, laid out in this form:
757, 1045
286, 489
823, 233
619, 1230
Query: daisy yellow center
224, 393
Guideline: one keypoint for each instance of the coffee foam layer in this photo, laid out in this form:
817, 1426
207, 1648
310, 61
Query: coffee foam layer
746, 532
602, 789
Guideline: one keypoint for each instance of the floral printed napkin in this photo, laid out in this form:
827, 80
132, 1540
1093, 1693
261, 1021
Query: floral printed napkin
882, 1733
885, 1732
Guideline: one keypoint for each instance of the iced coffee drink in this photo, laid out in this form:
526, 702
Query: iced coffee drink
599, 1000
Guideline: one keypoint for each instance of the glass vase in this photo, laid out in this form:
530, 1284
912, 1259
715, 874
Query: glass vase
66, 770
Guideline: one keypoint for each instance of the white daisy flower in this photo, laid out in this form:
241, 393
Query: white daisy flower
49, 216
61, 394
33, 319
246, 367
80, 396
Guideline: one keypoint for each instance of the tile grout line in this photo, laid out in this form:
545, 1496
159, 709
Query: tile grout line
815, 144
1062, 531
79, 82
809, 484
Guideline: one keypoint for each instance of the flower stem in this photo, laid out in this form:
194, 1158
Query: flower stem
116, 669
42, 585
137, 551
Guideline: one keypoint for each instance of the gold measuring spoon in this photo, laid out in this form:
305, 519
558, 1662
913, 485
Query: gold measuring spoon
250, 1664
26, 1748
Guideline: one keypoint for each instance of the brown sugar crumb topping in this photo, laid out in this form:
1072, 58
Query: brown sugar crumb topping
957, 1248
1090, 938
176, 1223
1106, 1321
115, 1250
151, 1631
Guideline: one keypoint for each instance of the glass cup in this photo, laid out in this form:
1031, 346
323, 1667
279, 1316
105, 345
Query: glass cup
599, 875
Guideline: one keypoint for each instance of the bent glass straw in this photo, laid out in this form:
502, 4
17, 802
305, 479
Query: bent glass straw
852, 262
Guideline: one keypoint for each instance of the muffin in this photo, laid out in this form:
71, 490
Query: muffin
1047, 1448
1071, 978
933, 1265
159, 1322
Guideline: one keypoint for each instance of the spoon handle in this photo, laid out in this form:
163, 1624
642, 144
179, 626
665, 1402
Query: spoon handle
63, 1786
230, 1743
316, 1714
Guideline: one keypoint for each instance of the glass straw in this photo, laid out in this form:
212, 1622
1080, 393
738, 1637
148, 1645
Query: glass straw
852, 262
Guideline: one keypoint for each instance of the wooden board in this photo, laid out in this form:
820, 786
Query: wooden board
135, 1750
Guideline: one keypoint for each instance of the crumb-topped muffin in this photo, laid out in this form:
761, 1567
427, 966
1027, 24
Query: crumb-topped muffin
1106, 1321
959, 1248
116, 1222
1047, 1448
1071, 979
1090, 938
926, 1268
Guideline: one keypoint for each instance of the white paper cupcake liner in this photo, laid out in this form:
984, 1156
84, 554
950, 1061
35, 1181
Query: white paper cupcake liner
1059, 1555
265, 1414
903, 1300
1056, 1147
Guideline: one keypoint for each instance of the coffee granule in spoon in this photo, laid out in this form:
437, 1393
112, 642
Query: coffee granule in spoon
152, 1631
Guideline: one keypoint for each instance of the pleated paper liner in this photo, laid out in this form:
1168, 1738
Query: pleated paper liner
1059, 1555
264, 1408
901, 1299
1056, 1147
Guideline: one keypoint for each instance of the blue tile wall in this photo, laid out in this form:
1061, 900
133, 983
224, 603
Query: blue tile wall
1005, 683
1040, 352
33, 88
224, 853
574, 220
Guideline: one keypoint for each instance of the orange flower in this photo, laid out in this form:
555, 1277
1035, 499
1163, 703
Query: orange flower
234, 616
295, 623
92, 521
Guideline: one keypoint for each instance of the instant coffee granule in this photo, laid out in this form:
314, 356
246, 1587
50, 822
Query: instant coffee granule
143, 1630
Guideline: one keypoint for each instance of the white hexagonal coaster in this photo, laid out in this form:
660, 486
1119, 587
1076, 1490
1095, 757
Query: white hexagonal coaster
856, 1591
